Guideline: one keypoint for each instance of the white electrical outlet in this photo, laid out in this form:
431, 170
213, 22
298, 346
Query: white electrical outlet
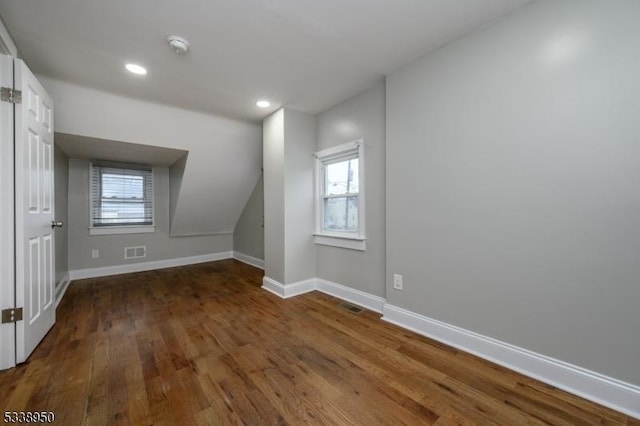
397, 281
95, 253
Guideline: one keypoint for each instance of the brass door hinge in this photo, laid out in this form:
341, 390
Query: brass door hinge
7, 94
11, 315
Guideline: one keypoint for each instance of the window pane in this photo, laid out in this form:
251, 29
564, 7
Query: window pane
121, 195
122, 211
342, 177
341, 214
122, 198
122, 186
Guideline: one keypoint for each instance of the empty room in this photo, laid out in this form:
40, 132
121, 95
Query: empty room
357, 212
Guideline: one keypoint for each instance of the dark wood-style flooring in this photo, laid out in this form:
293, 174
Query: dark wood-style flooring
205, 345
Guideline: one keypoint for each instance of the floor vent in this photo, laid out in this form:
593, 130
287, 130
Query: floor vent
135, 252
351, 308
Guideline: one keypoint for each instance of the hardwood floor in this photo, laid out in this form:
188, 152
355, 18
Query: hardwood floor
205, 345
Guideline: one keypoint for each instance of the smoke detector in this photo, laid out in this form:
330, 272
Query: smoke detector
178, 44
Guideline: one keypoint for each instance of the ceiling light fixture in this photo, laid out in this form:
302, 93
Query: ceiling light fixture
136, 69
180, 45
263, 104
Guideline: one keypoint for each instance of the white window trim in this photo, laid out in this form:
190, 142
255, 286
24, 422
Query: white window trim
123, 229
348, 240
117, 230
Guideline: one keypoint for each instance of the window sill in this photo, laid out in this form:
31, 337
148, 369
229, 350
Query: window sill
117, 230
352, 243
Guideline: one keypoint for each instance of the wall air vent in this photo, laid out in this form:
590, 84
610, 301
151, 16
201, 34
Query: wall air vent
135, 252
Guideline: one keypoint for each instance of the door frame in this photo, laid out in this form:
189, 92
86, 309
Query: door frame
7, 219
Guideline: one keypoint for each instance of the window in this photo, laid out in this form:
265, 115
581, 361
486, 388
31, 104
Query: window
340, 196
121, 198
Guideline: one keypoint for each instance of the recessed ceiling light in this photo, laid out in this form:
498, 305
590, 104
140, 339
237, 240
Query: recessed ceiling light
136, 69
263, 104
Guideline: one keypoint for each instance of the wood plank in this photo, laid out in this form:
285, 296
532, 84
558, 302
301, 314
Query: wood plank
204, 344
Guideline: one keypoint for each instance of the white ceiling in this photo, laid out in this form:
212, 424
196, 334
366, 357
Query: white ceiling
306, 54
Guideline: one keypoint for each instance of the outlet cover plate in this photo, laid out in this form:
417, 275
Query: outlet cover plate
397, 281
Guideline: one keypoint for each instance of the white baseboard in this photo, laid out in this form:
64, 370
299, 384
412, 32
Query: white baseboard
61, 288
273, 286
340, 291
289, 290
607, 391
366, 300
618, 395
249, 260
147, 266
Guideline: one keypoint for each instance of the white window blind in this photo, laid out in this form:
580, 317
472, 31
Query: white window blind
121, 194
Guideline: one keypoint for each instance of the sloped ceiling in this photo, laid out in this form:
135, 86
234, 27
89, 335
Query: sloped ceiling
224, 156
305, 54
75, 146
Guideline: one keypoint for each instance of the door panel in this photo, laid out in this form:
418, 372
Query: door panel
35, 274
47, 186
33, 277
32, 172
47, 296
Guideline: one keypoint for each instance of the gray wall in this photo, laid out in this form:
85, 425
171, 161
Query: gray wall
160, 245
273, 162
248, 237
61, 187
289, 141
176, 172
361, 117
299, 145
513, 162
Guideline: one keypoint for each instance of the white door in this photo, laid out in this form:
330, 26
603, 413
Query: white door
34, 195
